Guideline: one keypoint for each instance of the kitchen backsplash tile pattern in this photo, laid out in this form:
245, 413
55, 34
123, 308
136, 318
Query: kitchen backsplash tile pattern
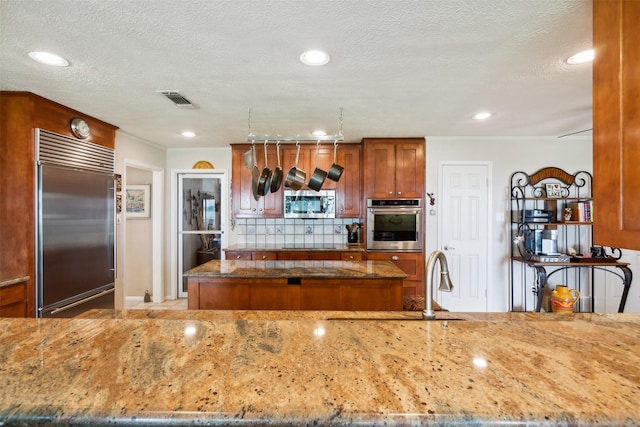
310, 233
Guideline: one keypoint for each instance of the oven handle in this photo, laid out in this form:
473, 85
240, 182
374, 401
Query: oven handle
399, 211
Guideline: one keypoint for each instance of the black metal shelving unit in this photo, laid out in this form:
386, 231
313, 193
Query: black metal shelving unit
552, 190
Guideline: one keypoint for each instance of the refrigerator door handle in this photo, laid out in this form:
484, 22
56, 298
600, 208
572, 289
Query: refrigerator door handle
82, 301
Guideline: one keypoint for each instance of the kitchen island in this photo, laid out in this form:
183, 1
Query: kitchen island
321, 368
295, 285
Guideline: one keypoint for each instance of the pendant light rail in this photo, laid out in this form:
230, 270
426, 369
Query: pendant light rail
339, 137
295, 139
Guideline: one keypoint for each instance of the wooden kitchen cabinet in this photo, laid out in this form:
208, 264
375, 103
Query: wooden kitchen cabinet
13, 300
349, 187
294, 294
252, 256
411, 263
307, 160
243, 203
294, 255
394, 167
616, 123
20, 114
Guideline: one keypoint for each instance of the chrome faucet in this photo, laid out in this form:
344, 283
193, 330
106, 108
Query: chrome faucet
445, 282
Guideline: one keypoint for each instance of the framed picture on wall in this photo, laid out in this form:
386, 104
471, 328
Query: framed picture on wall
137, 201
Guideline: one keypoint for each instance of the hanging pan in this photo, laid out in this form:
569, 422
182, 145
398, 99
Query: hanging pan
318, 177
296, 177
276, 177
255, 173
264, 183
335, 172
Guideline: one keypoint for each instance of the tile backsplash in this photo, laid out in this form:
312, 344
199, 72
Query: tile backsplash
311, 233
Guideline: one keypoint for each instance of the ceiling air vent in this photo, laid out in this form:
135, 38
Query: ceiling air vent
177, 99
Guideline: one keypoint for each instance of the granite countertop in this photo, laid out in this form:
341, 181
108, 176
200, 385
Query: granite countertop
298, 247
304, 269
321, 368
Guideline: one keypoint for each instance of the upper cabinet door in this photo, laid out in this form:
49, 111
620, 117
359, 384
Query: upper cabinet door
348, 187
616, 123
380, 168
394, 167
242, 201
410, 169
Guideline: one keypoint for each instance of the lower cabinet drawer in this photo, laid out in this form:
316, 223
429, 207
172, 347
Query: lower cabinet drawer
13, 300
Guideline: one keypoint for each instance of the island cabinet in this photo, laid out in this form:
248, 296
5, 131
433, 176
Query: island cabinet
616, 123
394, 167
411, 263
243, 203
20, 114
295, 294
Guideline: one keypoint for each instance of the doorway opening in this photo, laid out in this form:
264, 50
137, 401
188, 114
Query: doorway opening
201, 219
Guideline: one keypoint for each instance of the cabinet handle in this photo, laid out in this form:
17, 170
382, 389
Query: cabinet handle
350, 256
391, 193
264, 257
399, 193
449, 248
395, 257
237, 256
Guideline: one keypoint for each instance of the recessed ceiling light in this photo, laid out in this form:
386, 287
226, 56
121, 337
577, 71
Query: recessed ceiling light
49, 59
482, 116
581, 57
315, 57
188, 134
319, 133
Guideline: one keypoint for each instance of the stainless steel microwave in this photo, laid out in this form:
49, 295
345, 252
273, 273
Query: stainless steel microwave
309, 204
394, 225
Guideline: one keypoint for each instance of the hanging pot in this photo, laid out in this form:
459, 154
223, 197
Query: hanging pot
255, 174
264, 183
276, 177
296, 177
318, 177
335, 171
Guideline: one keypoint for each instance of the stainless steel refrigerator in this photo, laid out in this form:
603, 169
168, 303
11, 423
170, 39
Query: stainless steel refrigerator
75, 211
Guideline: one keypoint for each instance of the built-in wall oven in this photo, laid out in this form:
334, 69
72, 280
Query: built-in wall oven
394, 225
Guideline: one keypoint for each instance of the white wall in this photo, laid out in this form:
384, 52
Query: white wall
129, 148
137, 266
508, 155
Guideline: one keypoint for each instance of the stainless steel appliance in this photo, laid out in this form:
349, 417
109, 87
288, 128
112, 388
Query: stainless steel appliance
394, 225
75, 221
309, 204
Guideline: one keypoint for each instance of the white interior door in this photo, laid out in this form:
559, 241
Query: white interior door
201, 220
464, 229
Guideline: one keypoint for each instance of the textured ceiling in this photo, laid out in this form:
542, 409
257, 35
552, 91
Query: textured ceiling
398, 68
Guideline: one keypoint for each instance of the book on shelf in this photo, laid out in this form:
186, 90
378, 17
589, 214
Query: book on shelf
581, 211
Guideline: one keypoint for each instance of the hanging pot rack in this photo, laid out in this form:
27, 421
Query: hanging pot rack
339, 137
